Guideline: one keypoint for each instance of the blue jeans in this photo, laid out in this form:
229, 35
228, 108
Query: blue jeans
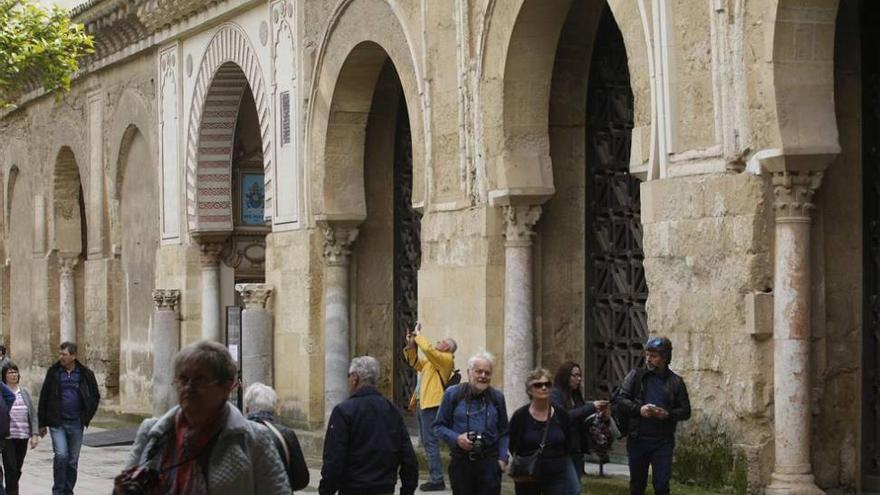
654, 452
432, 446
66, 443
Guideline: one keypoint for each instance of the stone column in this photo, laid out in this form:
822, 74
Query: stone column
792, 471
67, 263
166, 343
337, 256
256, 335
519, 349
210, 259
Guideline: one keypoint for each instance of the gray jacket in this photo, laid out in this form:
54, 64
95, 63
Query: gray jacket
33, 421
243, 461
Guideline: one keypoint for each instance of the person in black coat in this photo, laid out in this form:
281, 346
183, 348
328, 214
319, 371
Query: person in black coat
654, 399
366, 443
260, 403
527, 430
68, 402
568, 394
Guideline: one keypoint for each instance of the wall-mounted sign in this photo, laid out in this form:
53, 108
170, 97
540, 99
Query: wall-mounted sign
253, 195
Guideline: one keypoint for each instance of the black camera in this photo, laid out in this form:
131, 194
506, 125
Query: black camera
478, 445
136, 481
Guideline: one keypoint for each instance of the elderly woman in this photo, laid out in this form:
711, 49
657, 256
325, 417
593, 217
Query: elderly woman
204, 445
541, 427
23, 427
260, 404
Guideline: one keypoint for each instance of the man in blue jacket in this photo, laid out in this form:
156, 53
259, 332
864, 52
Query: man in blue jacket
366, 442
472, 420
68, 402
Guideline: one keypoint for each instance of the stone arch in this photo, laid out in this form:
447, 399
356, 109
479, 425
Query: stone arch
516, 61
803, 73
68, 234
116, 176
228, 66
363, 34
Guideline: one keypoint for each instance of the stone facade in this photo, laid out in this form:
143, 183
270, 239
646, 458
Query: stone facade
743, 126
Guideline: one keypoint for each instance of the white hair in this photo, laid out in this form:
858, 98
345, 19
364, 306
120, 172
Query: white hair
453, 345
481, 356
366, 368
259, 397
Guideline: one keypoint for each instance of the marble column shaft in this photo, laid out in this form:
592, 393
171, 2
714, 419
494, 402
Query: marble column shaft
337, 256
519, 335
166, 344
67, 297
792, 472
256, 335
211, 321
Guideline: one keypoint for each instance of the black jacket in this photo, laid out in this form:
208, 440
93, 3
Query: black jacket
578, 411
518, 427
49, 410
297, 471
365, 446
632, 398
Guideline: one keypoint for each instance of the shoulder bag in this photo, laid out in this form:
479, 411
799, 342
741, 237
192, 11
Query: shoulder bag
526, 468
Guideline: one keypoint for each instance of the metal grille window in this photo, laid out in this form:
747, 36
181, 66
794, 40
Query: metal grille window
285, 117
616, 321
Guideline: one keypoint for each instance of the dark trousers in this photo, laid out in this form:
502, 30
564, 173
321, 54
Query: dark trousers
653, 452
14, 450
480, 477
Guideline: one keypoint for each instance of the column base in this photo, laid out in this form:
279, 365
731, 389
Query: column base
793, 484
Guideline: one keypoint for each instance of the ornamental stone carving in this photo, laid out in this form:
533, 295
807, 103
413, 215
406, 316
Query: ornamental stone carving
67, 264
337, 244
519, 223
794, 195
211, 252
166, 299
254, 295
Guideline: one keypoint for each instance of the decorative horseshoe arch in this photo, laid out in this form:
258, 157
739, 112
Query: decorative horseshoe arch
229, 65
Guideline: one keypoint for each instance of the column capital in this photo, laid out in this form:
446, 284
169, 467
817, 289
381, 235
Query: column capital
67, 262
519, 223
210, 253
337, 243
166, 299
794, 195
254, 295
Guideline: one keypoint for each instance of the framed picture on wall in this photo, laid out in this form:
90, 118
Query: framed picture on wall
252, 197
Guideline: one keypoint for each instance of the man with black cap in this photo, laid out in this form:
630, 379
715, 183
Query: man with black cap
654, 399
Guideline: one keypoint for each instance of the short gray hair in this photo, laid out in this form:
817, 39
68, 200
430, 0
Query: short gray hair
366, 368
453, 345
213, 355
481, 356
259, 397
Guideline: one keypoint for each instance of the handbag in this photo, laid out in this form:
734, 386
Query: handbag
526, 468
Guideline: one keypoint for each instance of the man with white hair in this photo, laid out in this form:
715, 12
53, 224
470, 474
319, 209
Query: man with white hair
260, 404
366, 442
472, 419
435, 371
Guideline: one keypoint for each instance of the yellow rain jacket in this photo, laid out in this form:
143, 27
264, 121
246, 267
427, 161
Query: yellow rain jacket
430, 391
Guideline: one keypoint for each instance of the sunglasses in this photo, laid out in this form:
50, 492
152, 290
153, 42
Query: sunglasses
541, 385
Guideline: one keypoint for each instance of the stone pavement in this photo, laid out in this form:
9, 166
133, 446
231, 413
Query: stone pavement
98, 467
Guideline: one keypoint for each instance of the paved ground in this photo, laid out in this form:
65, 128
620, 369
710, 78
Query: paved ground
98, 467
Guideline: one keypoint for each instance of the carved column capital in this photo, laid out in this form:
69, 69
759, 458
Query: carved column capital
166, 299
211, 252
794, 195
337, 243
254, 295
519, 223
67, 264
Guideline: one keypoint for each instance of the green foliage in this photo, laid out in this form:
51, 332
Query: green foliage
705, 456
38, 43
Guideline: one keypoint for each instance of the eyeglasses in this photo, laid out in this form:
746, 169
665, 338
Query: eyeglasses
576, 375
537, 385
197, 382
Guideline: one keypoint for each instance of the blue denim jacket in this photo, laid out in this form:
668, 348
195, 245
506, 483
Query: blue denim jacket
460, 413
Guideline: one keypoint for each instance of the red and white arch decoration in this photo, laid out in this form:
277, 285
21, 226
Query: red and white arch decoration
229, 64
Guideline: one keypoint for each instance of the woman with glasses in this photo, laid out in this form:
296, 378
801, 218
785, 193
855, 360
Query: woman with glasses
23, 427
568, 394
203, 445
540, 427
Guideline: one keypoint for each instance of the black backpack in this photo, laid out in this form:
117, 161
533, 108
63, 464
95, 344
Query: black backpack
454, 378
620, 413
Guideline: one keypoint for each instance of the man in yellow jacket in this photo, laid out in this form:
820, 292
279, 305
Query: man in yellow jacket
435, 369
